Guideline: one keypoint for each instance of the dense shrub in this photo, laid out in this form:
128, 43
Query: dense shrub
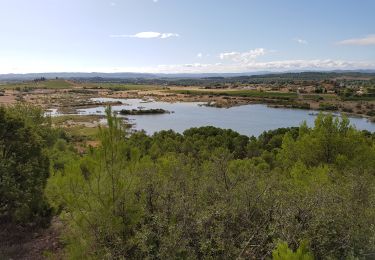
328, 106
24, 168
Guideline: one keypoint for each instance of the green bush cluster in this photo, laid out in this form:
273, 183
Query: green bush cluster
25, 136
328, 106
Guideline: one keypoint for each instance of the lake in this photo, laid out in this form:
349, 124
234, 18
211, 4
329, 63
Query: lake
247, 119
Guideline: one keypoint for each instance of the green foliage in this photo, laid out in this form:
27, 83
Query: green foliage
143, 111
125, 87
97, 197
283, 252
38, 84
328, 107
211, 193
24, 165
240, 93
330, 141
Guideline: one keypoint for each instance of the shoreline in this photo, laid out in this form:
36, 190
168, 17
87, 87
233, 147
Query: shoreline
228, 102
67, 101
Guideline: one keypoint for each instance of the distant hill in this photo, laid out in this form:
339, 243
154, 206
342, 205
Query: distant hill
69, 75
120, 75
99, 76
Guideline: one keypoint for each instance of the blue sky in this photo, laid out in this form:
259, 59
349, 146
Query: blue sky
172, 36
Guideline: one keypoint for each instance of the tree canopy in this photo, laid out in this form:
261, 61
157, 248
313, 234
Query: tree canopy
24, 165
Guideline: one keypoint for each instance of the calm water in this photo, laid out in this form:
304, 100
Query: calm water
247, 119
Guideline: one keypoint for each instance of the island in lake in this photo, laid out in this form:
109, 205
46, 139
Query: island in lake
151, 111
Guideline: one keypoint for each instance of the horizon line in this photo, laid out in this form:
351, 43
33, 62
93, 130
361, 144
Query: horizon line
192, 73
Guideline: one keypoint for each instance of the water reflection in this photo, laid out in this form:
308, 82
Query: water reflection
246, 119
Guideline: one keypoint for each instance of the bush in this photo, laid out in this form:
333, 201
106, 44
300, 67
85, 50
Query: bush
347, 109
24, 169
283, 252
328, 106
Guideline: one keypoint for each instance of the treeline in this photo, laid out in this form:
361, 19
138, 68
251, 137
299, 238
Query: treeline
209, 193
303, 78
25, 136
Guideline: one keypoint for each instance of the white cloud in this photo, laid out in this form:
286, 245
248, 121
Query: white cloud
199, 55
11, 66
155, 1
301, 41
243, 57
112, 4
147, 35
368, 40
168, 35
279, 66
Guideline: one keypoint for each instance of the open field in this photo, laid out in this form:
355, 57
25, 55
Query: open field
47, 84
123, 87
238, 93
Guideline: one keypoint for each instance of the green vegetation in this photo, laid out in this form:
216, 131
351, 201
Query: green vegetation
209, 193
78, 128
44, 84
359, 98
25, 137
294, 193
290, 104
55, 84
316, 97
239, 93
143, 111
277, 79
313, 97
345, 90
283, 252
63, 119
124, 87
80, 133
328, 106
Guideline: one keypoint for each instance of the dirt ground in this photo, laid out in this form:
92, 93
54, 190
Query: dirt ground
8, 98
29, 244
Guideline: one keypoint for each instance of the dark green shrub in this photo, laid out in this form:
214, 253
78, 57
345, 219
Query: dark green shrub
24, 169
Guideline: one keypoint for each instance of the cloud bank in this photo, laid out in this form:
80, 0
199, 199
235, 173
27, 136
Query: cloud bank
242, 57
300, 41
272, 66
277, 66
146, 35
368, 40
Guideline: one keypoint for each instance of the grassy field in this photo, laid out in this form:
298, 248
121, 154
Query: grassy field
359, 98
124, 87
56, 84
58, 120
88, 133
78, 126
318, 97
239, 93
48, 84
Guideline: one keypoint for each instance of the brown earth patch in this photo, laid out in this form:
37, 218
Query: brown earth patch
29, 244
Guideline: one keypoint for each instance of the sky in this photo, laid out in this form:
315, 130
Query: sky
185, 36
